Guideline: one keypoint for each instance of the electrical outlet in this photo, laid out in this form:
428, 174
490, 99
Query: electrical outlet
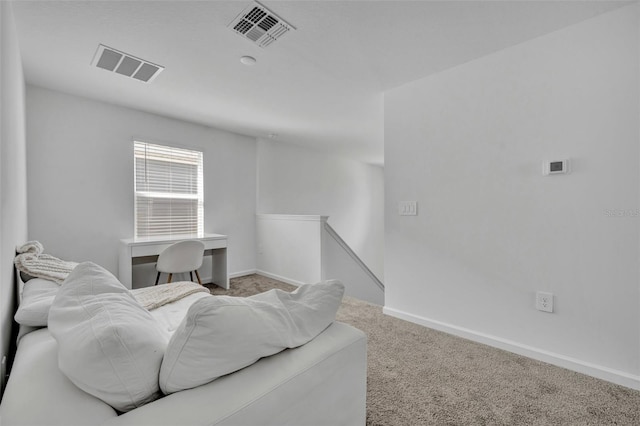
544, 301
3, 374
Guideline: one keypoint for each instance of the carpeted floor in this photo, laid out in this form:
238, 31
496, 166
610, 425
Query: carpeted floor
419, 376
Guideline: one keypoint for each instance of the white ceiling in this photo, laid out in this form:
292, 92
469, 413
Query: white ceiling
321, 85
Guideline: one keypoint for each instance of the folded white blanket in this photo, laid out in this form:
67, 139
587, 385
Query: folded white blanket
154, 297
32, 261
34, 247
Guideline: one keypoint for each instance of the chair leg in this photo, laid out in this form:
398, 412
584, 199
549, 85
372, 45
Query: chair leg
157, 278
198, 276
169, 280
191, 275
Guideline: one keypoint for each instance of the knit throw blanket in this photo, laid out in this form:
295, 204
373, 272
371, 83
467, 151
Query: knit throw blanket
32, 261
154, 297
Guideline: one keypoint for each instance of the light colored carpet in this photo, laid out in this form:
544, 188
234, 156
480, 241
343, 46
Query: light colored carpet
419, 376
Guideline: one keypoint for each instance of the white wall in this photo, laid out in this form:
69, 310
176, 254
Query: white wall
339, 263
300, 249
13, 186
290, 247
468, 145
80, 158
296, 180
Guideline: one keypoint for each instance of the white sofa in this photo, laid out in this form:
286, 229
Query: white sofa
322, 382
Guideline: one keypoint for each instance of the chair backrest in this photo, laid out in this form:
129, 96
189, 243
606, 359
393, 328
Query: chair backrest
184, 256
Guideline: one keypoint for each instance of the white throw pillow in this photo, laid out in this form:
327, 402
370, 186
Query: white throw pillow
108, 345
37, 297
222, 334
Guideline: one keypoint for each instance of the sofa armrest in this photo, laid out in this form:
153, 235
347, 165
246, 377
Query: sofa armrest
320, 383
39, 394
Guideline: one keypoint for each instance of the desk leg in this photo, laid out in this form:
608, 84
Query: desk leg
219, 274
124, 266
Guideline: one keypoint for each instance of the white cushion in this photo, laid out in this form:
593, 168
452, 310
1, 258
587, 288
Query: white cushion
108, 345
222, 334
37, 297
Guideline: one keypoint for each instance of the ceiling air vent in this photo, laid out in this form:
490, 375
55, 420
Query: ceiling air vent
260, 25
128, 65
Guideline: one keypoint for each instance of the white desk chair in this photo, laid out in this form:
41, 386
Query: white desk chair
185, 256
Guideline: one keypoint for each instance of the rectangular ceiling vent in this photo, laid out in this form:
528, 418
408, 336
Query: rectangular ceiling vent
260, 25
114, 60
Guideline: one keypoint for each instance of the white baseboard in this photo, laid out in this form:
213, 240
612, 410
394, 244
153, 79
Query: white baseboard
243, 273
279, 278
208, 280
598, 371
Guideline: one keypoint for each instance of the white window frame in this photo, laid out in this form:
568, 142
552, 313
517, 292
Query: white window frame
158, 225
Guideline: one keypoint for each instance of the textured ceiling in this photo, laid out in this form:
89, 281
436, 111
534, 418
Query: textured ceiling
320, 86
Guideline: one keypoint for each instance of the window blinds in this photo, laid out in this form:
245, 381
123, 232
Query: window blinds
168, 190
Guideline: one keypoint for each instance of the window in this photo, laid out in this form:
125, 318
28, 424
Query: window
168, 190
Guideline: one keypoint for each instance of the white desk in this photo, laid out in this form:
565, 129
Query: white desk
134, 251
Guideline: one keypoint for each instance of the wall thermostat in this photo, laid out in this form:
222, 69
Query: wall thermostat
555, 167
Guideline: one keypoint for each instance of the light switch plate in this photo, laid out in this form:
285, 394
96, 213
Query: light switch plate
408, 208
